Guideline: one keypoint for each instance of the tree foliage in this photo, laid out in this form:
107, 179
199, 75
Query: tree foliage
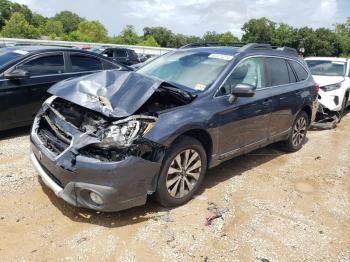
90, 31
18, 27
52, 28
18, 20
69, 20
149, 41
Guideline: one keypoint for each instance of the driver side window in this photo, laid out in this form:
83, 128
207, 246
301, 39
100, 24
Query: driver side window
250, 71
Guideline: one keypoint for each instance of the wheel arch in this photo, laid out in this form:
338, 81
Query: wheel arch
203, 137
308, 110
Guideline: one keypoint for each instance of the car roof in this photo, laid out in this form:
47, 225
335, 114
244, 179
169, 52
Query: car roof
42, 48
335, 59
229, 50
225, 50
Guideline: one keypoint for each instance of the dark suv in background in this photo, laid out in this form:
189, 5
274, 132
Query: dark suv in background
157, 130
121, 55
26, 72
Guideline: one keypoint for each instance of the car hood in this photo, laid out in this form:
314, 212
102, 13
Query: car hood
112, 93
327, 80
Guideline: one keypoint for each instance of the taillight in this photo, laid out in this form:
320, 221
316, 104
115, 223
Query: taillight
317, 88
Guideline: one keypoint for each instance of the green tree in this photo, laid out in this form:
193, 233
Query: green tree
228, 38
5, 11
162, 35
52, 28
149, 41
7, 8
285, 35
38, 20
90, 31
259, 30
211, 36
128, 36
69, 20
17, 26
24, 10
343, 33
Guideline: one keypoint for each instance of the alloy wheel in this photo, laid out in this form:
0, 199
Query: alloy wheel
299, 131
183, 173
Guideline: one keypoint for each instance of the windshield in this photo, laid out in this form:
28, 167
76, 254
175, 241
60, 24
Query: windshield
7, 56
326, 68
193, 69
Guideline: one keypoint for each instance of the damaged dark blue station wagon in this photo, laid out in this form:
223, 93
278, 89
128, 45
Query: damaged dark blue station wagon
107, 140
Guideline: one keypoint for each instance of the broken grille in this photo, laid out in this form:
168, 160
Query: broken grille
52, 136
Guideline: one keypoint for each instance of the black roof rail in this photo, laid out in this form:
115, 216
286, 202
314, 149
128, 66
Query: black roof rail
289, 50
209, 44
244, 47
255, 47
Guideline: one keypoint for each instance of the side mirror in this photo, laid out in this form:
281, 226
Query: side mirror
17, 74
241, 90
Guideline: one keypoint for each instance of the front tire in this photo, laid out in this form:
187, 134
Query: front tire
298, 133
182, 173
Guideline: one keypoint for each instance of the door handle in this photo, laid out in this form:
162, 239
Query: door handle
299, 92
267, 102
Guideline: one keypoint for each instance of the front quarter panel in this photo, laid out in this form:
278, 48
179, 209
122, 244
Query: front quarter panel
172, 124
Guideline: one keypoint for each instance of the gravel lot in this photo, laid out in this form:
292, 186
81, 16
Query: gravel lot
274, 206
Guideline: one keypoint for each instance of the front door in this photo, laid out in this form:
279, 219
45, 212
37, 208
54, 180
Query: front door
244, 122
27, 95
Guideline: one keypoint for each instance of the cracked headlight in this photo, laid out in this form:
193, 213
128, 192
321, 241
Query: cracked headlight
331, 87
124, 134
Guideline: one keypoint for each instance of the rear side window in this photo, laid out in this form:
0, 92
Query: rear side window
120, 53
299, 70
45, 65
277, 70
292, 77
81, 63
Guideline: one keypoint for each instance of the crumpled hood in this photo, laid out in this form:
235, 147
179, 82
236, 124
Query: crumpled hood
327, 80
112, 93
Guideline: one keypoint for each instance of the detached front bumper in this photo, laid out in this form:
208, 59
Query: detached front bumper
120, 185
81, 179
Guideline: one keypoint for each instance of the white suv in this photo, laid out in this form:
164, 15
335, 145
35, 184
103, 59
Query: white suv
333, 76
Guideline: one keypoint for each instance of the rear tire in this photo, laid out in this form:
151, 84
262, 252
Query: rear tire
298, 133
182, 173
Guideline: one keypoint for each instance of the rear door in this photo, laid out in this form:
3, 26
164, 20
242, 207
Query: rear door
82, 64
245, 122
27, 95
287, 94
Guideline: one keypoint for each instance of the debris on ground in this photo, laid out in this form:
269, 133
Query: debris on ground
209, 220
215, 212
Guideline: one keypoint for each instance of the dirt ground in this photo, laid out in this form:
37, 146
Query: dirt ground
274, 206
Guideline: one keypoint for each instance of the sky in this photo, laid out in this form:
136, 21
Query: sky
195, 17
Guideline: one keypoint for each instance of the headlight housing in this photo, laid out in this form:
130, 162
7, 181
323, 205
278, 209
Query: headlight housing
123, 133
332, 87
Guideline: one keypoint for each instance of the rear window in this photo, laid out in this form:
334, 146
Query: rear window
326, 68
278, 71
299, 70
81, 63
